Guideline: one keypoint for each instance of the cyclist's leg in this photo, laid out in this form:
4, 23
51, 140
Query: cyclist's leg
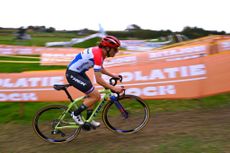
93, 95
91, 99
89, 113
90, 108
82, 83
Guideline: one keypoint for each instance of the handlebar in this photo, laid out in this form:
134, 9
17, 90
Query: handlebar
113, 82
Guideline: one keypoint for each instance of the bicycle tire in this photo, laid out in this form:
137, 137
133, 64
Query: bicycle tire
138, 115
46, 117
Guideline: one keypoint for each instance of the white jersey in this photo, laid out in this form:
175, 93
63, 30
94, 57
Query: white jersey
90, 57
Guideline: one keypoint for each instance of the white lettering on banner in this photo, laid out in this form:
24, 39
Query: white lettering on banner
196, 70
128, 59
185, 57
152, 90
225, 45
184, 72
57, 57
196, 49
6, 51
166, 73
31, 82
24, 50
18, 97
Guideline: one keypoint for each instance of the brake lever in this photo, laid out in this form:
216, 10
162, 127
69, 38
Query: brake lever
120, 78
120, 95
113, 82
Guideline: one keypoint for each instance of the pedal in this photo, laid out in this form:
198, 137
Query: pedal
86, 126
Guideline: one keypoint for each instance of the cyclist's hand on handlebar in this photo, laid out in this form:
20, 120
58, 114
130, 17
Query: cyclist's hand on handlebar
118, 89
116, 76
113, 81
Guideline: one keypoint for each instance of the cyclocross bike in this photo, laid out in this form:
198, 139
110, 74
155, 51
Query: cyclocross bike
123, 114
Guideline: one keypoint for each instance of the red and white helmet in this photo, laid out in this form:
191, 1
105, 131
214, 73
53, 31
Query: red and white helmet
110, 41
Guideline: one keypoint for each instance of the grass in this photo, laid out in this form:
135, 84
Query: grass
23, 112
36, 41
187, 144
20, 112
215, 101
40, 39
22, 67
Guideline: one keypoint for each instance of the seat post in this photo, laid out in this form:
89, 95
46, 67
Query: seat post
68, 95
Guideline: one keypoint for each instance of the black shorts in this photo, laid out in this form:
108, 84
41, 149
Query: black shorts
79, 81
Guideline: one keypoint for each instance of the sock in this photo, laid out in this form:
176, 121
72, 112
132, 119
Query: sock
89, 113
81, 108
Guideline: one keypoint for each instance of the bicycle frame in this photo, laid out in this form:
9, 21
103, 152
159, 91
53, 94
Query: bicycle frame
65, 129
105, 93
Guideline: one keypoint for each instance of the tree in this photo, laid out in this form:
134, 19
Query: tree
195, 32
50, 29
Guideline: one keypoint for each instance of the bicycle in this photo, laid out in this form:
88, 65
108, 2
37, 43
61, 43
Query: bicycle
123, 114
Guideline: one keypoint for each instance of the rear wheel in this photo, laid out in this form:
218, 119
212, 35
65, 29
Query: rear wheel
131, 118
47, 118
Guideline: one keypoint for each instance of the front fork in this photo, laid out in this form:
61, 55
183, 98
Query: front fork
124, 113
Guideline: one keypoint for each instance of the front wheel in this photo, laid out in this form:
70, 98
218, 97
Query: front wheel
130, 116
48, 118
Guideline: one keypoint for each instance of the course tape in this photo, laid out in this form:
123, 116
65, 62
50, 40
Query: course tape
15, 56
7, 61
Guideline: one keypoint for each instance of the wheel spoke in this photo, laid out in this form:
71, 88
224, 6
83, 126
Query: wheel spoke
48, 126
128, 116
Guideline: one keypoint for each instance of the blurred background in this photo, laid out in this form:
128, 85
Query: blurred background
39, 37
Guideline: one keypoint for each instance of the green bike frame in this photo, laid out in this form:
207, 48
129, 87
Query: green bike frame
105, 98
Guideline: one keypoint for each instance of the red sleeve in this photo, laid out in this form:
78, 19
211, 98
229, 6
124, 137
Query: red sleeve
98, 60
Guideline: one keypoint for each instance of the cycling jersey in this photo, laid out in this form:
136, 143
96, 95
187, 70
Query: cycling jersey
90, 57
75, 74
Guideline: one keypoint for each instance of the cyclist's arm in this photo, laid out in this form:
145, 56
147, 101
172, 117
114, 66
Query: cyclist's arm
104, 71
101, 81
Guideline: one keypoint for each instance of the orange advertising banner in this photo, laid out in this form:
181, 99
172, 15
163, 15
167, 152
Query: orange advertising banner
182, 79
224, 45
63, 57
180, 51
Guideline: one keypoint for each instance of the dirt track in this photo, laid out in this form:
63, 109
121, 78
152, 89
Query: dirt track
210, 126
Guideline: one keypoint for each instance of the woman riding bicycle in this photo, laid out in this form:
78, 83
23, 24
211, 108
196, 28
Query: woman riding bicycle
76, 76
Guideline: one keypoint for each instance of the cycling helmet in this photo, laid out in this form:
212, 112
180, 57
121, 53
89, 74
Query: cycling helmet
110, 41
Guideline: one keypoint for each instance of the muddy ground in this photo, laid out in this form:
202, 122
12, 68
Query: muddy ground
211, 128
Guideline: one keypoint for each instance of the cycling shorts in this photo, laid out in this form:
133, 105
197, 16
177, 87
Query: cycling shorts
79, 81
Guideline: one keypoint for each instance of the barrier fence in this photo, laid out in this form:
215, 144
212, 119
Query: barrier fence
192, 78
191, 71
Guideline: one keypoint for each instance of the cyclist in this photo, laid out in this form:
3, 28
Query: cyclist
76, 76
